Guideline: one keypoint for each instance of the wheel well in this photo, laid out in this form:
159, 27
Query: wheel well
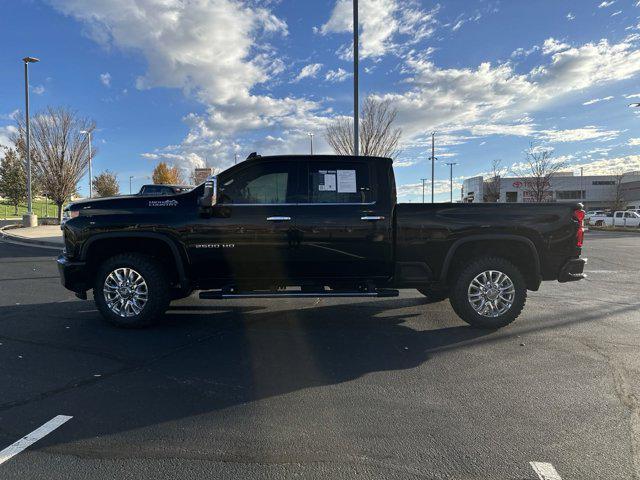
517, 252
102, 249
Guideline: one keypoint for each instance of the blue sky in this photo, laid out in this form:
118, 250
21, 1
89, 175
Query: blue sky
195, 82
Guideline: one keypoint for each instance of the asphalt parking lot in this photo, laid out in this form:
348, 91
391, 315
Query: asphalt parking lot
332, 388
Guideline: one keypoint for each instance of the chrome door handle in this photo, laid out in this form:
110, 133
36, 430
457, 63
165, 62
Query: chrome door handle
278, 219
372, 219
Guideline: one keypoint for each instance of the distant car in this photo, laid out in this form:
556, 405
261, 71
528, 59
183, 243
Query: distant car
591, 213
619, 219
153, 190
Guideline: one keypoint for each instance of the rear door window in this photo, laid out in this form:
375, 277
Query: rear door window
340, 182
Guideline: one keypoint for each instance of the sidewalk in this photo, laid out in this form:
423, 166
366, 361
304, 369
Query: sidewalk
44, 236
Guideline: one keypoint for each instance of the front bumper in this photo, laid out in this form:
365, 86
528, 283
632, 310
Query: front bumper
72, 275
572, 270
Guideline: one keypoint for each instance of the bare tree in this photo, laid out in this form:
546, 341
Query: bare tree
60, 153
542, 167
377, 135
492, 186
618, 202
106, 184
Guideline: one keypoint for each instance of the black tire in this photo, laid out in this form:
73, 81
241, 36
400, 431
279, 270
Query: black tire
433, 295
459, 293
157, 281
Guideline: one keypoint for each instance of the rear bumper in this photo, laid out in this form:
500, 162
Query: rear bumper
72, 274
572, 270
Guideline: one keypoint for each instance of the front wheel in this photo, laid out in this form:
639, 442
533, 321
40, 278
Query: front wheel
489, 293
131, 290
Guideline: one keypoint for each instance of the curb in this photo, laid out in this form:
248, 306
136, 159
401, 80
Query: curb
615, 230
6, 236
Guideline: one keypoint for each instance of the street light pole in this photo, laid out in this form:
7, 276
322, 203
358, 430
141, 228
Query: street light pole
451, 164
356, 102
423, 180
311, 137
433, 159
130, 178
88, 134
27, 61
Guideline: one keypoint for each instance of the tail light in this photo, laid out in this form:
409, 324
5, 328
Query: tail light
578, 214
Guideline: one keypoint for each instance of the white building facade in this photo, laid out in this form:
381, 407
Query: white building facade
594, 191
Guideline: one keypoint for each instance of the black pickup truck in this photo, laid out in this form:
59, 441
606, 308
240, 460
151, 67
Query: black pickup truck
314, 226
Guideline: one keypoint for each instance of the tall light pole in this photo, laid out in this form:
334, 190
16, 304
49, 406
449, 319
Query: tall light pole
311, 138
27, 61
451, 164
88, 134
423, 180
433, 159
356, 102
130, 178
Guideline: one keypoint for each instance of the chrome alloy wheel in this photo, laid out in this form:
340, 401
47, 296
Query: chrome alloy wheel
125, 292
491, 293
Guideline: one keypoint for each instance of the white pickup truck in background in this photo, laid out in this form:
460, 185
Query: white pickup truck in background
616, 219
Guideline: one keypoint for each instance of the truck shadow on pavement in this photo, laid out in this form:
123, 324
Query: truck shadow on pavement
204, 359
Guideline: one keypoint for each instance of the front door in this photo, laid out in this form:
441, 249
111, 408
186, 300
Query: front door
251, 234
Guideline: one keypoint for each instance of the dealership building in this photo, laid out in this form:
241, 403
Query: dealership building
594, 191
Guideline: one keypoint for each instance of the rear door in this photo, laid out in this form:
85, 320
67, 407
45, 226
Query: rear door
618, 219
345, 229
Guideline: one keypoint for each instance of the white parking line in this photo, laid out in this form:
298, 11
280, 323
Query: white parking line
28, 440
545, 471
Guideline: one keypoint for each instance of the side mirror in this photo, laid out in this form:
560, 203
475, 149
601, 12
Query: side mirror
210, 196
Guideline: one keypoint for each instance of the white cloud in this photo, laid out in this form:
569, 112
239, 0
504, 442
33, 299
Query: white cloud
6, 133
309, 71
633, 95
339, 75
634, 142
616, 13
491, 98
38, 89
105, 79
381, 21
461, 20
521, 52
577, 134
610, 166
10, 116
598, 100
551, 45
606, 3
441, 186
517, 129
570, 16
216, 51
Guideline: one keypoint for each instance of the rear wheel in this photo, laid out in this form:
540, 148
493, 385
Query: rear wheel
489, 293
131, 290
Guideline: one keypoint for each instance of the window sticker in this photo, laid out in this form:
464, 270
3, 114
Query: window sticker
327, 181
346, 181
